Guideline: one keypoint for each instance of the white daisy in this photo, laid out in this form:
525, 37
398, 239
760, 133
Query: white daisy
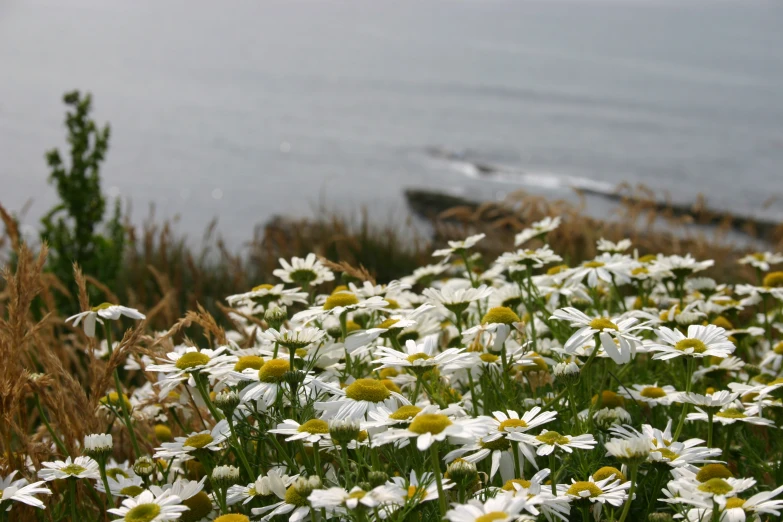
103, 311
537, 229
505, 507
607, 491
294, 503
547, 441
304, 272
459, 247
618, 335
701, 341
20, 491
358, 399
274, 482
80, 468
604, 245
184, 447
734, 412
150, 508
312, 431
421, 357
650, 394
761, 260
339, 501
428, 427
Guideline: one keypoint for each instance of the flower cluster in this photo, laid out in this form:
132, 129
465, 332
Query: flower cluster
624, 388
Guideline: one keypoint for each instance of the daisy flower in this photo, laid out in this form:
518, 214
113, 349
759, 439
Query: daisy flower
294, 339
150, 508
680, 266
604, 245
103, 311
304, 272
418, 489
650, 394
184, 447
80, 468
617, 334
709, 400
295, 503
607, 269
121, 486
701, 341
726, 366
337, 304
311, 431
20, 491
734, 412
457, 299
428, 428
495, 442
547, 441
537, 229
506, 507
421, 357
522, 259
269, 381
339, 501
185, 361
761, 260
360, 398
607, 491
267, 294
459, 247
275, 482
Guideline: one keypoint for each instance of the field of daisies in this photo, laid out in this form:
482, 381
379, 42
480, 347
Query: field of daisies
627, 388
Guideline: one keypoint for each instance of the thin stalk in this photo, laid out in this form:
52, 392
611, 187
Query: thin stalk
317, 457
515, 449
552, 467
238, 449
59, 443
684, 413
436, 468
709, 427
118, 386
627, 507
72, 495
105, 479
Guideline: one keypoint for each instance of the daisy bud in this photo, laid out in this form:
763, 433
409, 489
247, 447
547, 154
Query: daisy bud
294, 378
567, 373
225, 476
275, 316
377, 478
144, 466
659, 517
608, 417
305, 486
343, 431
98, 445
631, 450
462, 472
752, 369
335, 332
227, 400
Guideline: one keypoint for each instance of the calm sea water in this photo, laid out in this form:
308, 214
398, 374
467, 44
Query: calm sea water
245, 109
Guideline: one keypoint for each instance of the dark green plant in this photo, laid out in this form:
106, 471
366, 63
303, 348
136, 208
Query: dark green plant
75, 228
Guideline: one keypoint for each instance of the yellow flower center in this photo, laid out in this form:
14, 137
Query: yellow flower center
293, 497
232, 517
579, 487
249, 361
416, 492
540, 364
191, 360
314, 426
609, 471
272, 371
357, 494
773, 280
652, 392
511, 425
262, 287
649, 258
501, 315
388, 323
602, 323
491, 516
667, 454
495, 445
716, 486
734, 502
341, 299
393, 304
131, 491
639, 271
429, 423
73, 469
489, 358
200, 505
556, 269
113, 399
552, 438
162, 433
593, 264
143, 513
388, 373
102, 306
610, 399
418, 357
695, 345
198, 441
713, 471
509, 485
779, 348
369, 390
116, 472
406, 412
731, 413
723, 323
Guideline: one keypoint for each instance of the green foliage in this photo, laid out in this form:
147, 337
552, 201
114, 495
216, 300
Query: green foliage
74, 228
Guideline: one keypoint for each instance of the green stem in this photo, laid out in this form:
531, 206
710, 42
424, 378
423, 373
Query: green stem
72, 495
684, 413
317, 457
105, 479
515, 449
59, 443
553, 469
239, 450
436, 468
202, 390
627, 507
709, 427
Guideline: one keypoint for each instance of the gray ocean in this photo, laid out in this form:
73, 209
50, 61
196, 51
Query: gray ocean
247, 109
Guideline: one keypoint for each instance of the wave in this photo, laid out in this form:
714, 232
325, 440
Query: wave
511, 175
